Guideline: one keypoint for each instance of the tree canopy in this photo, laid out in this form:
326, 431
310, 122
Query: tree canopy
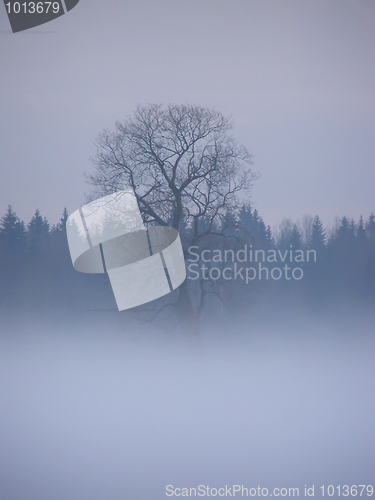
182, 163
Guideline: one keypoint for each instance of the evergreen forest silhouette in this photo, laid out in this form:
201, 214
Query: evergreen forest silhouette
37, 276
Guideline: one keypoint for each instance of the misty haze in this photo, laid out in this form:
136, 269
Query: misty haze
243, 129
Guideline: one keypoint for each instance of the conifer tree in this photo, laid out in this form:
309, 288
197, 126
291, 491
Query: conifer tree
38, 231
346, 230
12, 249
353, 228
269, 237
246, 224
12, 230
360, 230
370, 227
296, 238
38, 225
318, 235
252, 228
61, 225
262, 231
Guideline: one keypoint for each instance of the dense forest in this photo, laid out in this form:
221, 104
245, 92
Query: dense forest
37, 276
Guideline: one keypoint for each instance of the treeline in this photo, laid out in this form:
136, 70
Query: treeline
36, 273
243, 264
338, 265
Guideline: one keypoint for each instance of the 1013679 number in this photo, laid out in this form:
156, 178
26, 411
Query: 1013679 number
32, 7
346, 490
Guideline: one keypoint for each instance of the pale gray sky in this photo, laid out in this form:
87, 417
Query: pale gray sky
298, 77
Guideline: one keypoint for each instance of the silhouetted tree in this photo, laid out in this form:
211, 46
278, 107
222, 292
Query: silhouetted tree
370, 227
12, 231
306, 229
12, 251
346, 231
318, 235
38, 229
183, 166
361, 231
251, 228
284, 233
270, 241
296, 238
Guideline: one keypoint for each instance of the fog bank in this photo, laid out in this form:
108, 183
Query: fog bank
94, 412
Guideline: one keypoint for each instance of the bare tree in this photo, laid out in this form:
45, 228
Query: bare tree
307, 225
284, 231
184, 166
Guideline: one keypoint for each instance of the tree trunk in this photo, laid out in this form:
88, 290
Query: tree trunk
187, 317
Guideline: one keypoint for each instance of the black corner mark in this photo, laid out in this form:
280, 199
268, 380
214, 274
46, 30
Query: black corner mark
70, 4
26, 14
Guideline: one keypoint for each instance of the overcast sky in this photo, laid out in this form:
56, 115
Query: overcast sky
298, 77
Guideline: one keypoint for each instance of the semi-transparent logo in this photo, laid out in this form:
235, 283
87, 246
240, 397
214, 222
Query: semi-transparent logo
108, 236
